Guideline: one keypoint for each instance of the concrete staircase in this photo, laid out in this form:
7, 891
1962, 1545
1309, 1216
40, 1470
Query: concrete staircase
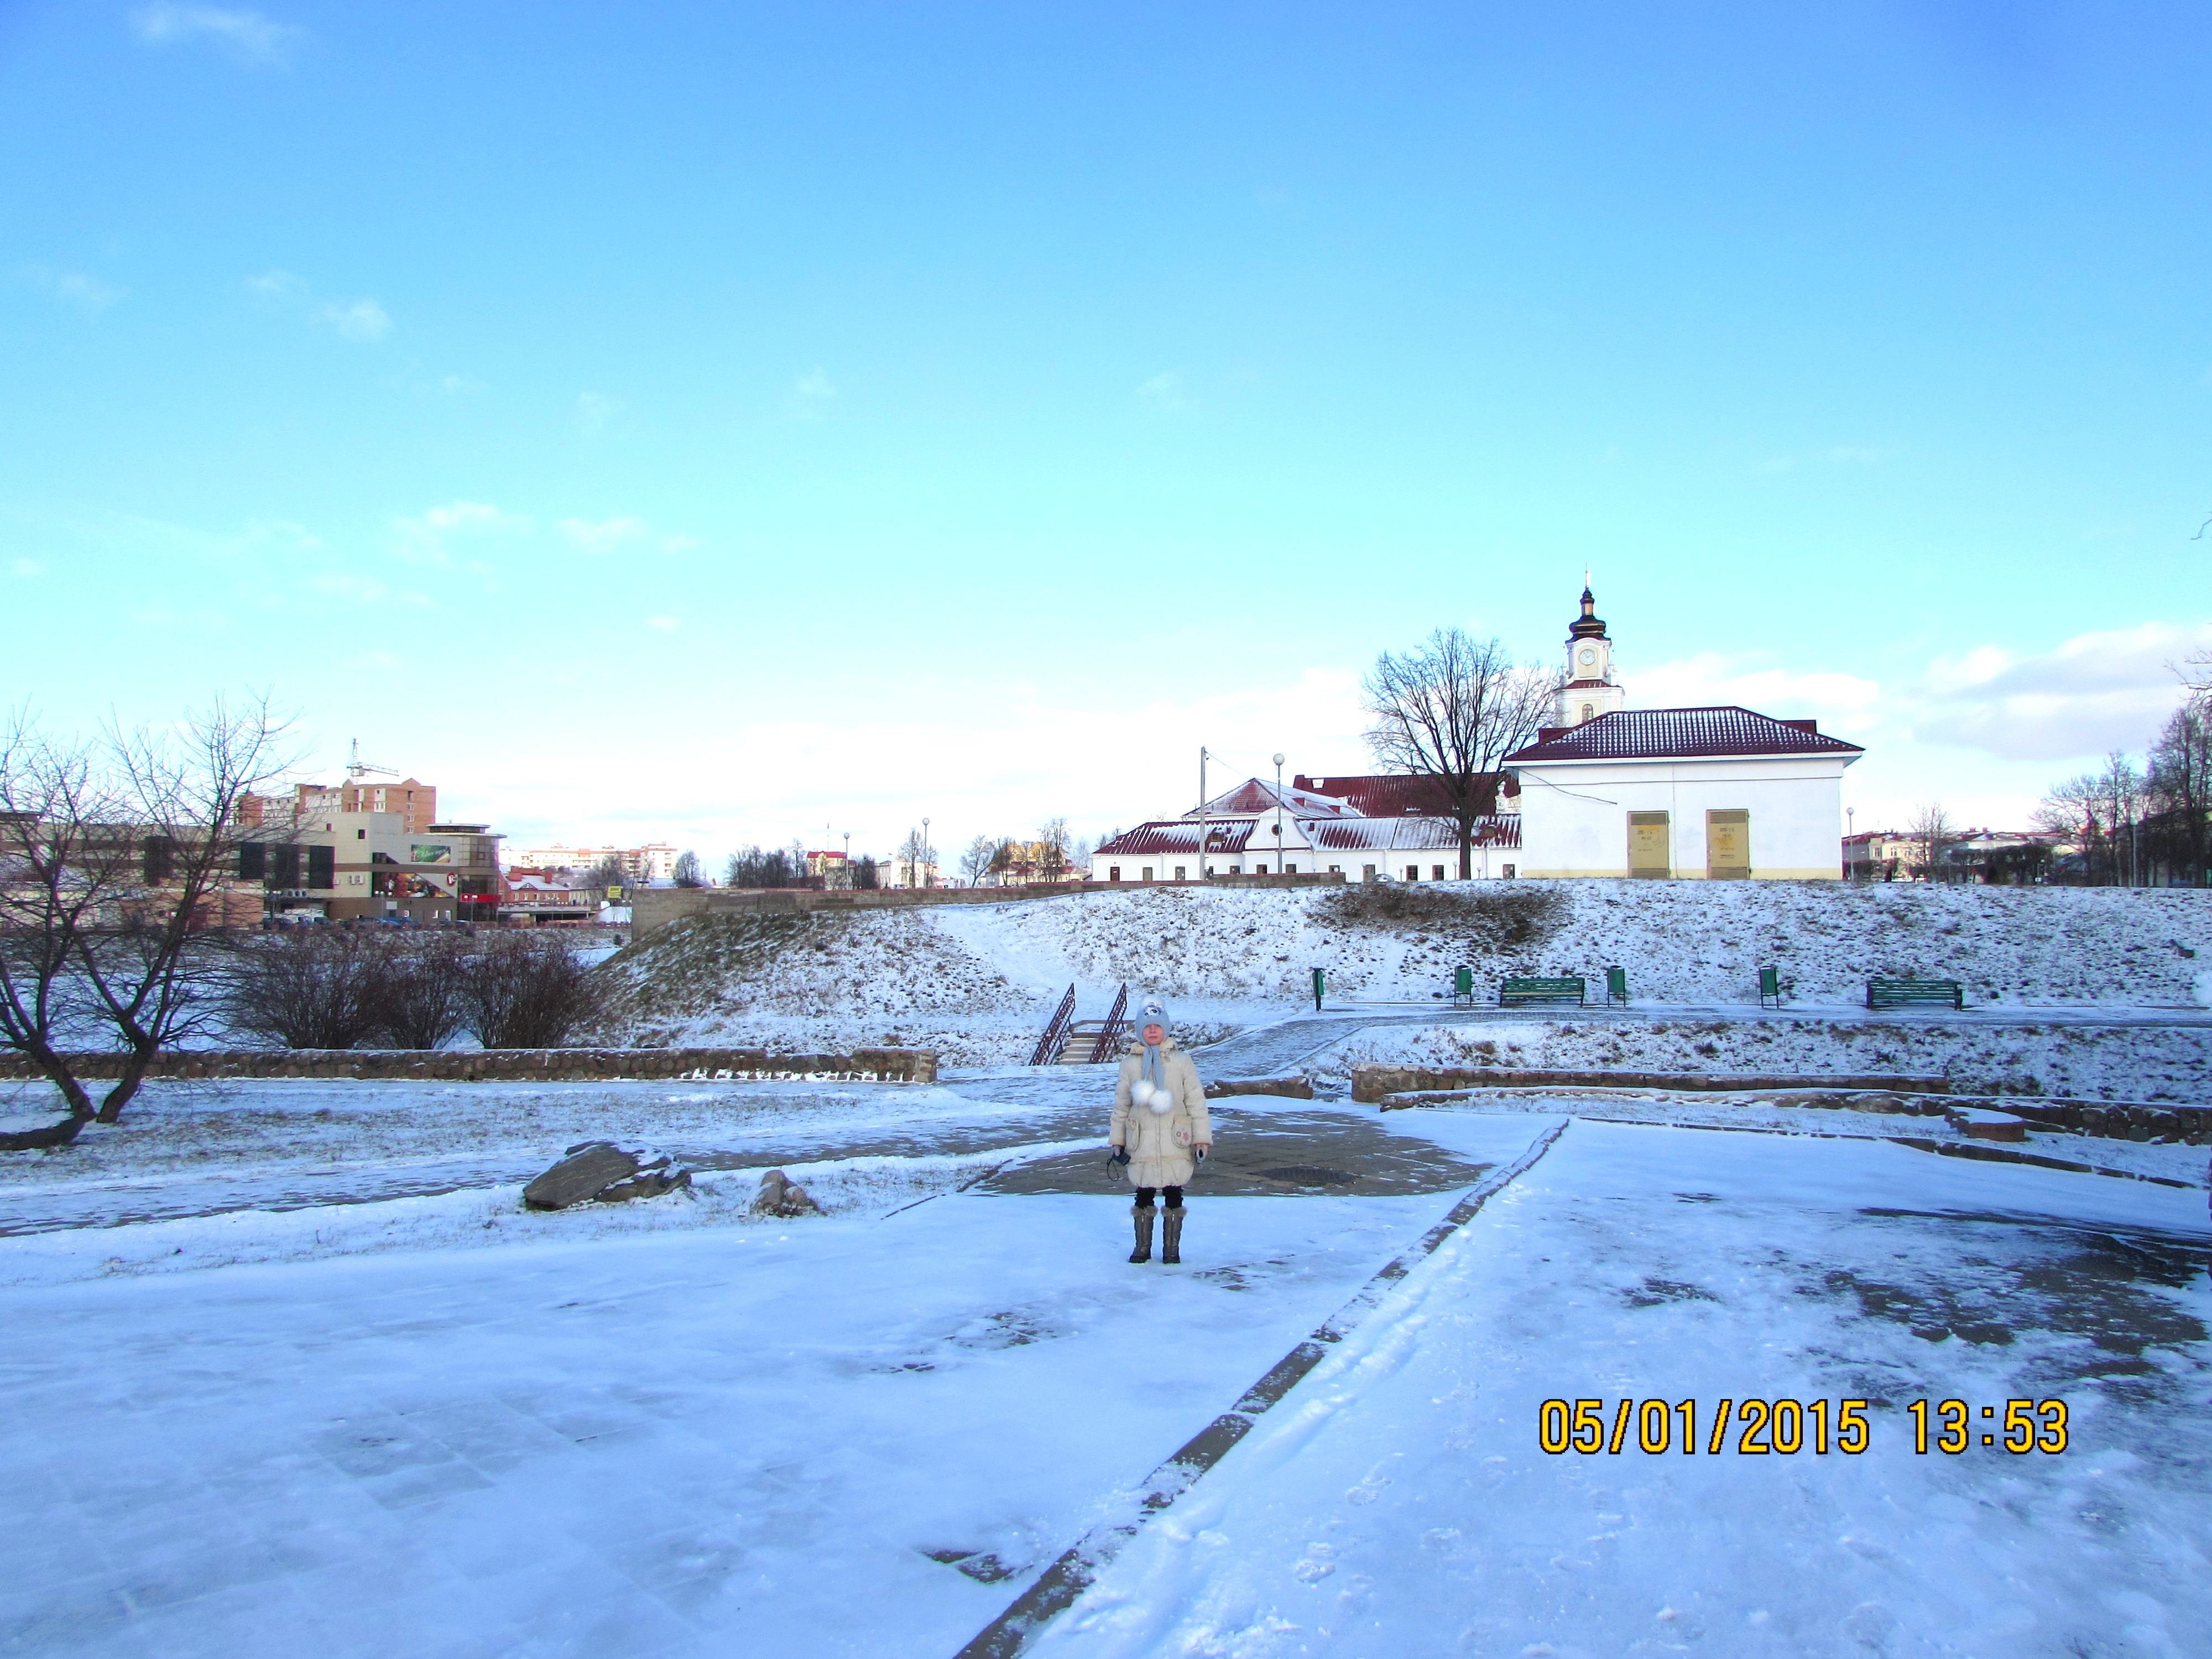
1082, 1038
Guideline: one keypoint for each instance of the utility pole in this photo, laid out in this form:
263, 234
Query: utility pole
1278, 815
925, 852
1205, 825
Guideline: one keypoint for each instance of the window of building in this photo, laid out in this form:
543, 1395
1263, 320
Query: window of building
361, 834
1439, 870
1113, 873
1413, 873
1509, 872
1367, 872
1146, 874
1336, 869
1290, 869
1179, 872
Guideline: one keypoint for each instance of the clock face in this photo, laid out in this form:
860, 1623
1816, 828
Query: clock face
1588, 657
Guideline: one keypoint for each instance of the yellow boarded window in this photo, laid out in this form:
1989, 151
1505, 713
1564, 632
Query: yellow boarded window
1728, 844
1649, 851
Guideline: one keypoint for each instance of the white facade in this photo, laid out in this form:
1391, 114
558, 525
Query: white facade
1251, 830
1576, 817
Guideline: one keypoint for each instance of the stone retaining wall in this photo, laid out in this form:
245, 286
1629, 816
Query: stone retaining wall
531, 1065
1371, 1083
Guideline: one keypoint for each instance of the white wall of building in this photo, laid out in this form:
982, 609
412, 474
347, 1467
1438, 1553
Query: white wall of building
1574, 816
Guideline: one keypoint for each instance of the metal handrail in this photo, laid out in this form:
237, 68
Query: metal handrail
1048, 1048
1110, 1038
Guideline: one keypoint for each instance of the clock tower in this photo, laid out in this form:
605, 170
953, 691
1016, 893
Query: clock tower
1589, 690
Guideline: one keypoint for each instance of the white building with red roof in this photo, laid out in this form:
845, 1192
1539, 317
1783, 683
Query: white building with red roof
1719, 793
1251, 830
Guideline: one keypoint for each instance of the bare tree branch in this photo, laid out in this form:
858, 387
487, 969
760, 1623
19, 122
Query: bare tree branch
1451, 709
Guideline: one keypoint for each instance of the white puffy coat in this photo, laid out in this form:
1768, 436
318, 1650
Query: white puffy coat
1160, 1143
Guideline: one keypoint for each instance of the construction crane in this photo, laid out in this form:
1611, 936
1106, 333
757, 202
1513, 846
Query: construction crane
356, 766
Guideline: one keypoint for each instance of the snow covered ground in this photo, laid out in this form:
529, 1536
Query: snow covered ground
2070, 1061
424, 1421
1406, 1505
977, 982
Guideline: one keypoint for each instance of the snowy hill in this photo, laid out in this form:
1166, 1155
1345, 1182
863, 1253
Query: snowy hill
976, 982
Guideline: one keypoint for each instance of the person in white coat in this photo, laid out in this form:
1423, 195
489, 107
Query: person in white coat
1160, 1131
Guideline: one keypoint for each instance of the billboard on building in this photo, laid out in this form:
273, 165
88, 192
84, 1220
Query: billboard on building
437, 853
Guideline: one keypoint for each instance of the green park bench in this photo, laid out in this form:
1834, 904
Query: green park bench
1616, 986
1901, 992
1463, 988
1517, 992
1770, 986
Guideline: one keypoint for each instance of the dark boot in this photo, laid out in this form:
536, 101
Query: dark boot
1143, 1212
1171, 1242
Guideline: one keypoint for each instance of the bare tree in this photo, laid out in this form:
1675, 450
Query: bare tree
919, 857
526, 990
1932, 833
980, 860
1052, 848
687, 872
2180, 788
116, 851
1451, 709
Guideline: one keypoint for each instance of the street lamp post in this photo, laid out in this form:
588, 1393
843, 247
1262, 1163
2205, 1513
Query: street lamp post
1278, 815
923, 851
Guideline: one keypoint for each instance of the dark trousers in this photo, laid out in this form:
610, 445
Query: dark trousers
1145, 1197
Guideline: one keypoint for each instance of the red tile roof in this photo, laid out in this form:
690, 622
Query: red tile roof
1408, 834
1174, 836
1679, 734
1390, 795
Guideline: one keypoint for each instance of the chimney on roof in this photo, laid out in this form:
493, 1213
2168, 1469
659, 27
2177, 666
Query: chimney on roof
1810, 728
1546, 733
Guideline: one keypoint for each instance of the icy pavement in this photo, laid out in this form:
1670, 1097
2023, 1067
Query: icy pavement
189, 1149
436, 1425
1408, 1507
722, 1440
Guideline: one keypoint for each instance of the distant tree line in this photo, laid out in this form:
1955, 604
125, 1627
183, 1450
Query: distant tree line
2147, 824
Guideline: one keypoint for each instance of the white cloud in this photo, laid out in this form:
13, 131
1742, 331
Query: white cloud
358, 320
1845, 703
428, 539
26, 569
87, 292
1166, 391
596, 410
604, 537
274, 285
663, 624
249, 36
2096, 692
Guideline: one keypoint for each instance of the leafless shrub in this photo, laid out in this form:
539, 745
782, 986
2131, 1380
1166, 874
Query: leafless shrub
419, 999
526, 990
1486, 920
308, 987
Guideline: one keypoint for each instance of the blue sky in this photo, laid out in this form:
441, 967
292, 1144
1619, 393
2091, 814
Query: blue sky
716, 423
